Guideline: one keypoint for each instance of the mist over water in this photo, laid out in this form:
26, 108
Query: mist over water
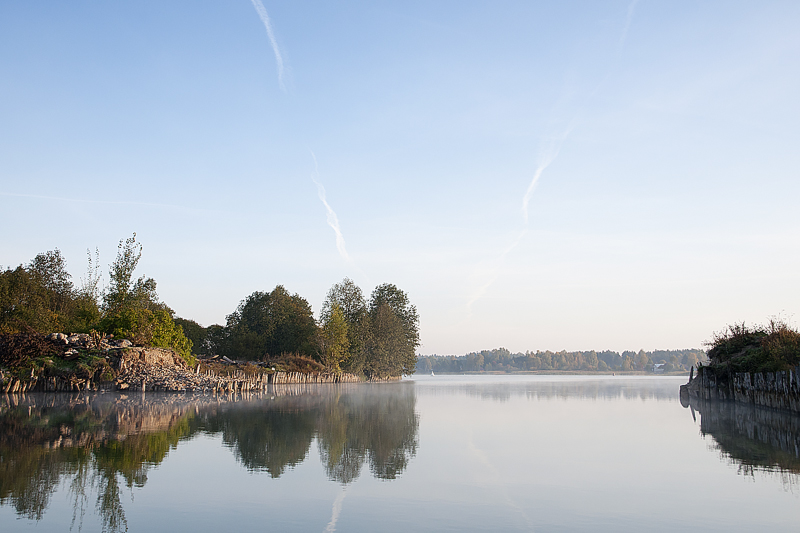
467, 453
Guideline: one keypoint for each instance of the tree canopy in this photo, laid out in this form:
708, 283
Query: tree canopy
41, 297
271, 324
376, 338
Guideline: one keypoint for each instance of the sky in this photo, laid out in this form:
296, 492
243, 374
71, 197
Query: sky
575, 175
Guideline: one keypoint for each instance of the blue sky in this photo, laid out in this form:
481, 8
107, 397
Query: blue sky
664, 136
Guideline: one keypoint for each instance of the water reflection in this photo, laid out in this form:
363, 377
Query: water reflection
546, 387
98, 444
753, 438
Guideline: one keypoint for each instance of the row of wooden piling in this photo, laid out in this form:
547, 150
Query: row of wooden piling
236, 381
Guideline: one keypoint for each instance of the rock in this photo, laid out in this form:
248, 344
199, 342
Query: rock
78, 339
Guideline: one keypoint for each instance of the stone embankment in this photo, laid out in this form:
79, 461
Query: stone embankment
159, 369
776, 390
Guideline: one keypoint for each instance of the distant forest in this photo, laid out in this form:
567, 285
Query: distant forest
502, 360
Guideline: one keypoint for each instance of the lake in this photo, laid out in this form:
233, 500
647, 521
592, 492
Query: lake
430, 453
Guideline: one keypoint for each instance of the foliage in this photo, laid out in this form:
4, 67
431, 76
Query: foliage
385, 357
149, 328
333, 339
394, 333
375, 339
39, 296
347, 296
17, 349
124, 294
195, 333
270, 324
771, 347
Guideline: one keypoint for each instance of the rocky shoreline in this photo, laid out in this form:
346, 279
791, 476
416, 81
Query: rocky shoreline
162, 370
774, 390
76, 363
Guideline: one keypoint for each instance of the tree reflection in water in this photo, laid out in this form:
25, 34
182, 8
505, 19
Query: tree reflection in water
102, 443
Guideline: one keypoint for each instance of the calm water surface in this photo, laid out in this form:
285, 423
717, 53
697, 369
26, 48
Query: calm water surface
443, 453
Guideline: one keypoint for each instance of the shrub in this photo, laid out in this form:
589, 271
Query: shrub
149, 328
772, 347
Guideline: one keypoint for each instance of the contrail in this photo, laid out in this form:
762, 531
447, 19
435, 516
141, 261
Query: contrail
548, 154
262, 12
333, 220
628, 20
544, 162
337, 509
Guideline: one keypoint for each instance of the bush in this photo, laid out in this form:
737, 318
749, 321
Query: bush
772, 347
149, 328
17, 349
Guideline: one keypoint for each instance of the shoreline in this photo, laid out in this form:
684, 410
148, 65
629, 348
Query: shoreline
143, 369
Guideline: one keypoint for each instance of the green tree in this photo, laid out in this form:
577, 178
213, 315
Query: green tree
395, 333
132, 309
87, 297
22, 303
37, 296
334, 342
194, 332
271, 323
348, 297
123, 293
49, 270
149, 328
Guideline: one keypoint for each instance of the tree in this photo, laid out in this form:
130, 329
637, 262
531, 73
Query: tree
37, 296
334, 342
348, 297
642, 361
124, 294
132, 309
49, 269
194, 332
395, 333
388, 344
271, 323
21, 302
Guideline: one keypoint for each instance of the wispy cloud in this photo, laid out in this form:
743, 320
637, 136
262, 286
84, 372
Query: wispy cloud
333, 220
262, 12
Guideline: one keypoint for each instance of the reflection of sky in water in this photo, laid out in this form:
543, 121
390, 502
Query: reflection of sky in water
515, 453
